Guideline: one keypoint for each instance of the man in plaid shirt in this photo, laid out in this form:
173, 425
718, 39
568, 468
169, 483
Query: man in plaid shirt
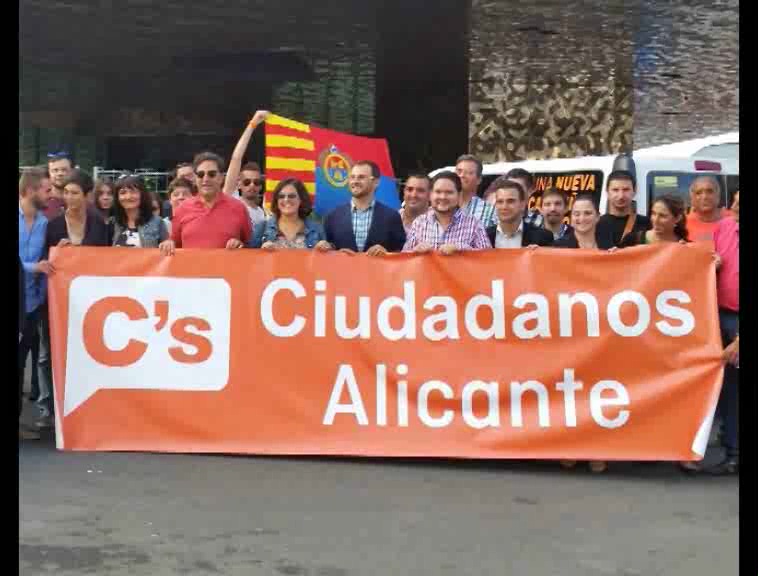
446, 228
469, 170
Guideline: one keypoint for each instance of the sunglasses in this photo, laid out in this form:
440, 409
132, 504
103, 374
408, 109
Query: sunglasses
290, 196
248, 181
211, 174
60, 154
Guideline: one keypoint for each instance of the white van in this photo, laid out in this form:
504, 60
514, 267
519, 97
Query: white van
654, 175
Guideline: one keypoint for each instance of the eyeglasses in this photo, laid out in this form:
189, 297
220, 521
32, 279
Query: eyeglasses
211, 174
58, 155
248, 181
290, 196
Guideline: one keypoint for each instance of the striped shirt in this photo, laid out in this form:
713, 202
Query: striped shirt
482, 211
534, 218
464, 232
361, 224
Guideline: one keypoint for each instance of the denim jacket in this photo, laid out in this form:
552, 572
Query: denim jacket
152, 233
267, 231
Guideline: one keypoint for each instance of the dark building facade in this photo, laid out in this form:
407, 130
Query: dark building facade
133, 83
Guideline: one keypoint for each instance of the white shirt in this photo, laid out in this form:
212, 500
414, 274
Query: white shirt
502, 240
256, 214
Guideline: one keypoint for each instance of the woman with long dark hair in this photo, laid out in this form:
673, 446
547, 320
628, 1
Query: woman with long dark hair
135, 223
669, 221
103, 199
289, 226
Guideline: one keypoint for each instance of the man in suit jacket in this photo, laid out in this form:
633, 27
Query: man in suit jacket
363, 225
512, 231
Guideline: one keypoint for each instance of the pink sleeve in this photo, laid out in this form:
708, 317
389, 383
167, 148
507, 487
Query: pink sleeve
716, 235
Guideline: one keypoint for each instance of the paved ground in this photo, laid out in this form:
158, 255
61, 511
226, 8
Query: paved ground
153, 514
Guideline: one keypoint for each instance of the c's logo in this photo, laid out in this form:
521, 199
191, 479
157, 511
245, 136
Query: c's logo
336, 166
93, 331
146, 333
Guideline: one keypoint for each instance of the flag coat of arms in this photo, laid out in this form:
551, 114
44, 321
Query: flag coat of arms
322, 160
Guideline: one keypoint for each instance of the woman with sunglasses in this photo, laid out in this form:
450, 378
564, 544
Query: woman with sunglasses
135, 220
289, 227
78, 225
584, 218
103, 199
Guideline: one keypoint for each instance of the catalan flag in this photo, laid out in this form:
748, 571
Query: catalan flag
322, 160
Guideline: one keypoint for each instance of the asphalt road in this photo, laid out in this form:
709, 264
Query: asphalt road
154, 514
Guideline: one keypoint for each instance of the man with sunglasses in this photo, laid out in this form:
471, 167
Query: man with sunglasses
250, 190
211, 219
58, 167
247, 183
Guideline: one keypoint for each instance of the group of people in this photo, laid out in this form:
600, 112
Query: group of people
211, 206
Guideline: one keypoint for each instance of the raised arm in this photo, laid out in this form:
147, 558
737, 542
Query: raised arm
235, 163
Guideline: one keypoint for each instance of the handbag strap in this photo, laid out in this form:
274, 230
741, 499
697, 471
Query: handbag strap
630, 220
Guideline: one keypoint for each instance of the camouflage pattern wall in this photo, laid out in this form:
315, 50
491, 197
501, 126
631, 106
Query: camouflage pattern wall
559, 79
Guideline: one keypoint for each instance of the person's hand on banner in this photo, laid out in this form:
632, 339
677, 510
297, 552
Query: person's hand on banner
323, 246
448, 249
731, 353
717, 260
423, 248
270, 246
348, 251
233, 244
44, 267
64, 242
167, 247
532, 247
376, 250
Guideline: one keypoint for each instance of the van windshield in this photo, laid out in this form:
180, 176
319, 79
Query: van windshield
678, 184
570, 182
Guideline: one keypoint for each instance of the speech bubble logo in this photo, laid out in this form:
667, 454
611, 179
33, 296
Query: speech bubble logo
154, 333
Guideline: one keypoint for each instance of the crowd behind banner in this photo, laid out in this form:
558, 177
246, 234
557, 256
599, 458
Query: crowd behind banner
213, 206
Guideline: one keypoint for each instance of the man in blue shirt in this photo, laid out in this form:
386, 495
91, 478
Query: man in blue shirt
33, 194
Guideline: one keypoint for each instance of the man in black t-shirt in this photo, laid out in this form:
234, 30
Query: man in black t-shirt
621, 220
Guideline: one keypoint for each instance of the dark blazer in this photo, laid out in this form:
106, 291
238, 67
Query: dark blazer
604, 241
386, 228
530, 234
96, 232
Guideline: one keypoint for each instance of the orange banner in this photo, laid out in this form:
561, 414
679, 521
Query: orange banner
495, 354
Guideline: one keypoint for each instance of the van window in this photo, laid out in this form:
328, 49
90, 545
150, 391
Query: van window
572, 183
678, 184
